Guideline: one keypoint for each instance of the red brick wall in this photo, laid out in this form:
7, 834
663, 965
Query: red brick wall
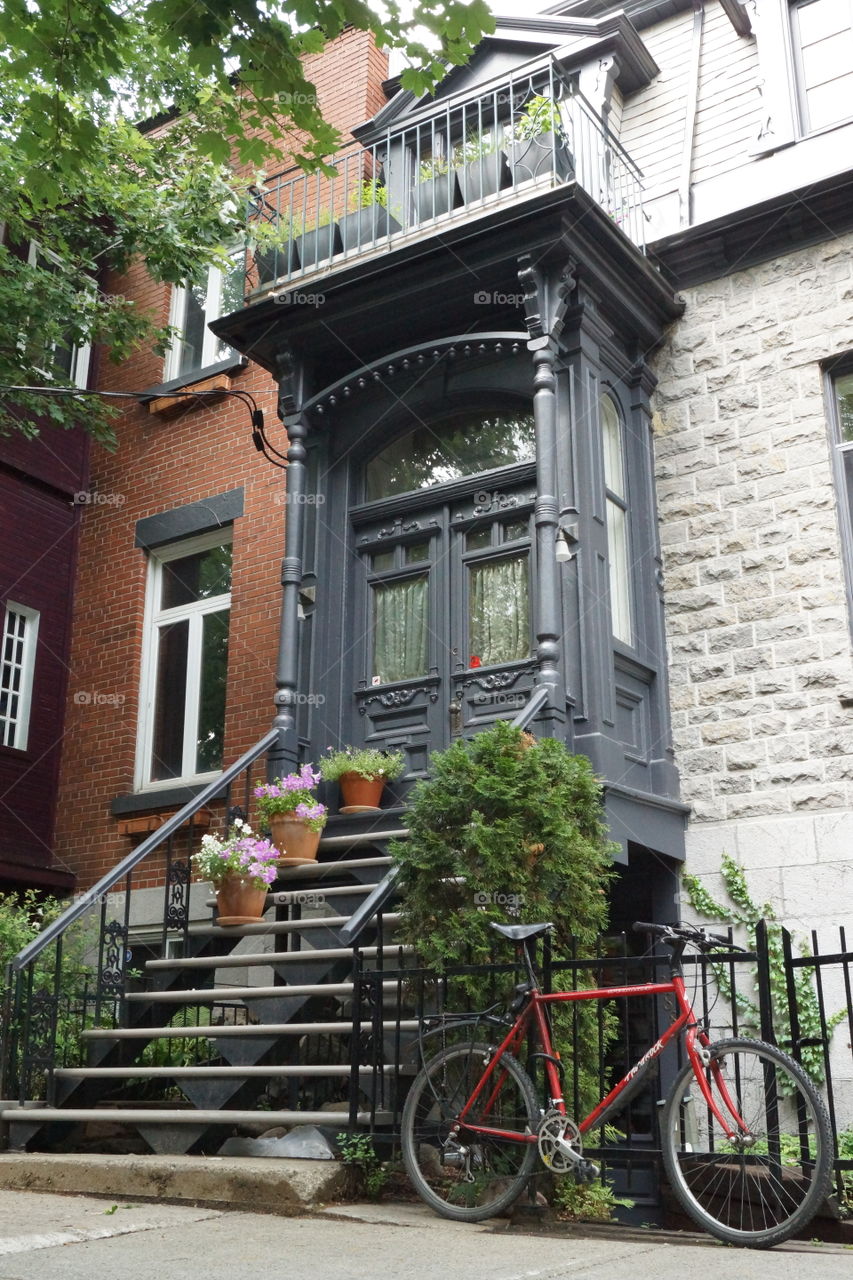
165, 461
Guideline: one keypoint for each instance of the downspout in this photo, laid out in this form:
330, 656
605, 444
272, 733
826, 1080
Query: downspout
284, 754
685, 193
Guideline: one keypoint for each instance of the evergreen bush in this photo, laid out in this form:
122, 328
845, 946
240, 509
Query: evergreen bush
508, 828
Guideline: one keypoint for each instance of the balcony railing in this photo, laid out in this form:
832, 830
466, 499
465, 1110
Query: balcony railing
530, 132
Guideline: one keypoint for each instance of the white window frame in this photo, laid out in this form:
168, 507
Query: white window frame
843, 495
212, 311
802, 107
155, 617
80, 356
618, 557
15, 732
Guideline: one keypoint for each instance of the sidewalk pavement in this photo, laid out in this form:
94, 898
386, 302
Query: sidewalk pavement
69, 1237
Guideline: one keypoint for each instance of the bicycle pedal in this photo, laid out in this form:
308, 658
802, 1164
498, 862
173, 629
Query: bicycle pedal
586, 1171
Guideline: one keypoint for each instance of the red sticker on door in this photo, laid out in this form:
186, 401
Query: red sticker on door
474, 661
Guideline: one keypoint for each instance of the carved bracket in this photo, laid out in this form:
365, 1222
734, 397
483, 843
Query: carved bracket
545, 300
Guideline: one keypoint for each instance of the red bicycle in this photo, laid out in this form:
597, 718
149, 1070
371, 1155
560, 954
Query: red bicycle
745, 1137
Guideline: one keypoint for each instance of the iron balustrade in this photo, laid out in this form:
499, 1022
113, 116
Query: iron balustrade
88, 944
528, 132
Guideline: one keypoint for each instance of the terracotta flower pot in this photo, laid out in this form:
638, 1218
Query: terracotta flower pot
239, 901
361, 793
298, 843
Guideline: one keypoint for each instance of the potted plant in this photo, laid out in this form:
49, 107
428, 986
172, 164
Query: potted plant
273, 249
240, 865
436, 190
295, 816
361, 773
368, 218
317, 239
538, 141
481, 167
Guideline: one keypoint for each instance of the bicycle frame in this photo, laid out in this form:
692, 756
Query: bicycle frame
533, 1014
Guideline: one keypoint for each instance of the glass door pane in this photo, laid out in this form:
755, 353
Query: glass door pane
400, 620
211, 703
170, 701
498, 611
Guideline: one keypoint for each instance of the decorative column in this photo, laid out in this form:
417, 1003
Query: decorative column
545, 302
283, 757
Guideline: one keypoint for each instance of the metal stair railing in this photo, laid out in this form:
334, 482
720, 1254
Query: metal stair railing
39, 1017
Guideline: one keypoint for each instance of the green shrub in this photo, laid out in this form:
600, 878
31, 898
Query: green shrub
508, 828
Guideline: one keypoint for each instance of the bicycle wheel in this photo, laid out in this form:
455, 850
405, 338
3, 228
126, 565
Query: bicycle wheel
759, 1188
464, 1175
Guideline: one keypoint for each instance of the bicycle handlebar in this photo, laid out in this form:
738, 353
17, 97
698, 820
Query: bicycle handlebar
683, 933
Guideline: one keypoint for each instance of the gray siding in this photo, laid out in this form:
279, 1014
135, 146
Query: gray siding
729, 101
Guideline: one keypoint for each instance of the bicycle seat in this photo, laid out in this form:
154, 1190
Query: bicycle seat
521, 932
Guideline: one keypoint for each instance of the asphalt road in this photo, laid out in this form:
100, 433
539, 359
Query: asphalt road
52, 1237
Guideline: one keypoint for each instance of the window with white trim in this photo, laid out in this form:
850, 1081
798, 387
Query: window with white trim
822, 42
842, 438
616, 491
17, 664
185, 661
194, 305
70, 362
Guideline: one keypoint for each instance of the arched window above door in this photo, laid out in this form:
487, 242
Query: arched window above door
464, 445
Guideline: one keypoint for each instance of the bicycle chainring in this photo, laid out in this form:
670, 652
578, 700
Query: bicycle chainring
555, 1130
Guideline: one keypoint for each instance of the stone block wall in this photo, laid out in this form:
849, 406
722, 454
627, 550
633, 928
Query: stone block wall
756, 607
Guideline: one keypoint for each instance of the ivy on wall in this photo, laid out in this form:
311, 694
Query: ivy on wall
742, 909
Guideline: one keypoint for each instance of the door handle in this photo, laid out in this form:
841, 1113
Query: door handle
455, 713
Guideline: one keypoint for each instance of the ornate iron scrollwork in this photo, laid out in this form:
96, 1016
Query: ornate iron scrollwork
177, 898
113, 959
40, 1049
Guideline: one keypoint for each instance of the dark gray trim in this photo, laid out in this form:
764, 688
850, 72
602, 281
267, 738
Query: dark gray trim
737, 16
195, 517
645, 819
234, 361
164, 798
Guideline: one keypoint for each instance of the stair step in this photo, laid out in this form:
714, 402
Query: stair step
364, 837
275, 926
187, 1115
234, 960
210, 995
212, 1073
266, 1030
317, 870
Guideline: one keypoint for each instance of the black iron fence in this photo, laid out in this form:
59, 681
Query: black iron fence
736, 992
